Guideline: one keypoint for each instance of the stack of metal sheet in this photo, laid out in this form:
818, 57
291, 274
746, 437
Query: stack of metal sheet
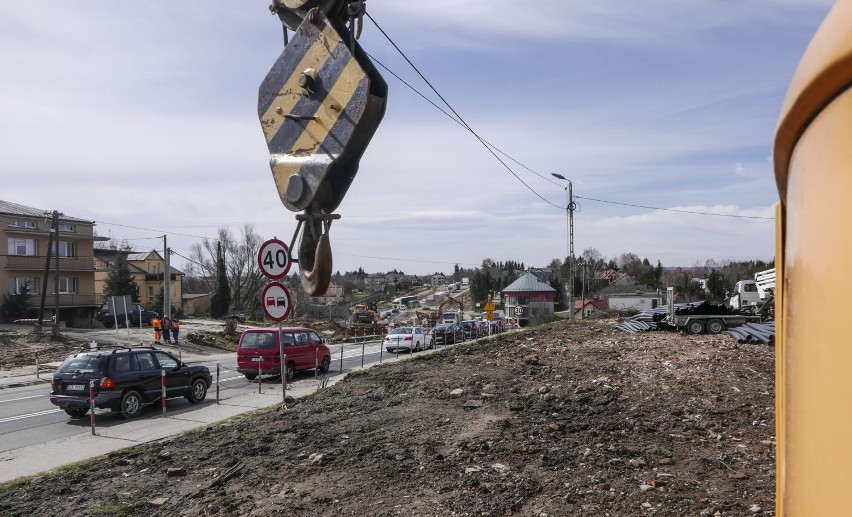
754, 333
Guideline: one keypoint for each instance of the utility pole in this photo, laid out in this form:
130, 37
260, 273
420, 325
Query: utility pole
55, 231
167, 303
54, 226
569, 212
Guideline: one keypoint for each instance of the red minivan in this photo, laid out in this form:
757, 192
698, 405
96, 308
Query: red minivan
260, 352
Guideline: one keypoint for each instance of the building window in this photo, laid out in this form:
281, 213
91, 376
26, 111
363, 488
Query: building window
22, 247
22, 224
68, 228
66, 249
67, 285
150, 295
17, 285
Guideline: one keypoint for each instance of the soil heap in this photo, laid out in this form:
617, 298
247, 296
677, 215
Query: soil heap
555, 421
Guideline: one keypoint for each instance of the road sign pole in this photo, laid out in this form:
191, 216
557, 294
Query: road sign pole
283, 363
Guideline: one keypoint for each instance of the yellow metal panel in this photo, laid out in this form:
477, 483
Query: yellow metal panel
291, 92
817, 365
824, 72
780, 361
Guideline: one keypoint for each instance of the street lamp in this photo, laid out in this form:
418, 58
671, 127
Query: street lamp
569, 213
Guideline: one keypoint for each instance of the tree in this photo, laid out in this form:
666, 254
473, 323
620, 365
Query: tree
16, 305
717, 286
241, 269
221, 301
119, 281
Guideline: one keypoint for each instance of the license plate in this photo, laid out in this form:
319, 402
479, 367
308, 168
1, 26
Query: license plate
257, 359
75, 387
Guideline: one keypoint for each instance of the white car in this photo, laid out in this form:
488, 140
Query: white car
409, 339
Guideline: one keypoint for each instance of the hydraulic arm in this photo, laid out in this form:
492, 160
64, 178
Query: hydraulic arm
319, 106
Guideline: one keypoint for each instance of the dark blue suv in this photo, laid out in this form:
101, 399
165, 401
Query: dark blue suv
126, 380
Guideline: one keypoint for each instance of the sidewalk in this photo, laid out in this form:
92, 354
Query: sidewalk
119, 434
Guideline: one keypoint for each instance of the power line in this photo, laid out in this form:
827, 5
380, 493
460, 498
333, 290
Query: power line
677, 209
152, 230
455, 117
459, 117
457, 121
409, 260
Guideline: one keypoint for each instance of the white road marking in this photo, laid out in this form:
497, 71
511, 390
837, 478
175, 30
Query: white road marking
23, 398
30, 415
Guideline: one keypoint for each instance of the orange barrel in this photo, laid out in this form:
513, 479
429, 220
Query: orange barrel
813, 170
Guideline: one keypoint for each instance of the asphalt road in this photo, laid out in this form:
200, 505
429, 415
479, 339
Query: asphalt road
27, 417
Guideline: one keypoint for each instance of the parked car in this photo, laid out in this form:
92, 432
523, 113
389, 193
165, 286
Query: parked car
137, 313
447, 334
482, 327
470, 329
409, 339
259, 351
126, 380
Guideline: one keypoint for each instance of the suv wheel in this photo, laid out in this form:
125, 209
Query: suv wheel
131, 404
326, 363
291, 371
77, 412
198, 391
250, 376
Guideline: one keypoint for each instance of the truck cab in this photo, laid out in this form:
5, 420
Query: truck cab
746, 294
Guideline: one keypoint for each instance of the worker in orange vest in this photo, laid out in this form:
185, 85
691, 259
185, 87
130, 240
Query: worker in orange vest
158, 326
175, 328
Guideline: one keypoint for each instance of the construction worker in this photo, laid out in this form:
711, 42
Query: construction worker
167, 326
158, 326
175, 328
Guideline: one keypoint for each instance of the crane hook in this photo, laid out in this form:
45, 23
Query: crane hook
315, 260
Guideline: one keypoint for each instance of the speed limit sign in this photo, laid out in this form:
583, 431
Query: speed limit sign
274, 259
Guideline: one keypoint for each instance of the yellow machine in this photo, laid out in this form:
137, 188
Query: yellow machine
319, 106
813, 169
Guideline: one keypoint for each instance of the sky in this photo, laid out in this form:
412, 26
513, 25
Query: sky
142, 117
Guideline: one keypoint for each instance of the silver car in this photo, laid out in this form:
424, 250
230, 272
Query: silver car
408, 339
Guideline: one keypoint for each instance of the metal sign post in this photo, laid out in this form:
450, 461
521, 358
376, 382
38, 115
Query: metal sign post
283, 367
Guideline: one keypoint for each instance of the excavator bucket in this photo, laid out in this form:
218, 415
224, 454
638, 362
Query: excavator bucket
319, 106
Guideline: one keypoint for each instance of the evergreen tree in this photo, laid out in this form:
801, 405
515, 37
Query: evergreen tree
221, 301
119, 281
16, 305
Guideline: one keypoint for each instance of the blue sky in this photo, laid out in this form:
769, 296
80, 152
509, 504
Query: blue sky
144, 115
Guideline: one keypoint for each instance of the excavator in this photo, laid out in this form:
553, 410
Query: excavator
318, 106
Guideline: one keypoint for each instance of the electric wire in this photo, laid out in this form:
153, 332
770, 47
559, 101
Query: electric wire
677, 209
492, 148
459, 117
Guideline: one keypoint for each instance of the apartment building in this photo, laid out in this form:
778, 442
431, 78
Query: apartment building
67, 282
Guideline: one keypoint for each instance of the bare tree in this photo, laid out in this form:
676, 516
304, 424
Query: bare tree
243, 272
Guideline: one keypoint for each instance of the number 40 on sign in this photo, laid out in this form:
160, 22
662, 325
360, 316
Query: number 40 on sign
274, 259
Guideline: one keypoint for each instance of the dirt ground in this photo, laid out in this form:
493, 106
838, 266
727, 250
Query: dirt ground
555, 421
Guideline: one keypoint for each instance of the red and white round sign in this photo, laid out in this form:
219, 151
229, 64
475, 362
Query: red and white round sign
276, 301
274, 259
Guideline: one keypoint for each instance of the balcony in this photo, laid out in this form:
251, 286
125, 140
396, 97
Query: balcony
67, 300
22, 263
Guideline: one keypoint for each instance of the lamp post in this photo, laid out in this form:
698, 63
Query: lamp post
569, 213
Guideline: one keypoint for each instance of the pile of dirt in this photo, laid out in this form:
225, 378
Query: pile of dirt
19, 347
559, 420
